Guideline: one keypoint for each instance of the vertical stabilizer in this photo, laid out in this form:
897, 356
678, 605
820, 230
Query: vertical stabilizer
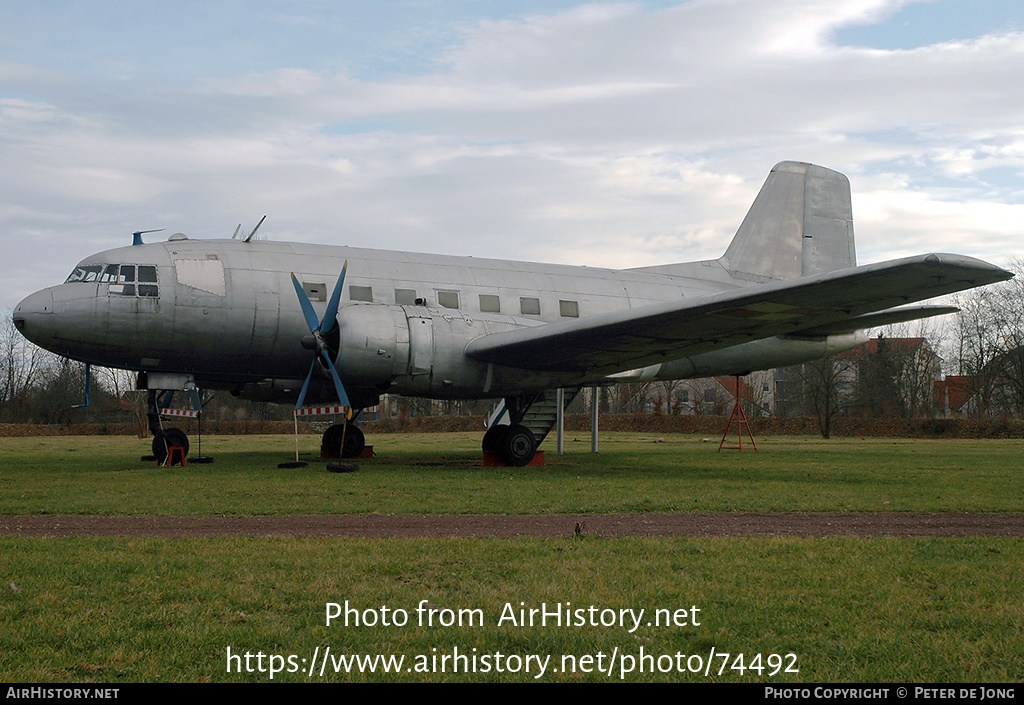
801, 224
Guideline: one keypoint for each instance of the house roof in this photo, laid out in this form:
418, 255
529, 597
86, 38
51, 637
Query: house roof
955, 391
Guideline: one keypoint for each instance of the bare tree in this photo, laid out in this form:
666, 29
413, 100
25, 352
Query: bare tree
61, 387
976, 345
21, 362
822, 388
989, 345
1008, 321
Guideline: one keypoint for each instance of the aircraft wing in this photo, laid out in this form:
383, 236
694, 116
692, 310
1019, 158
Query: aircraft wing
837, 301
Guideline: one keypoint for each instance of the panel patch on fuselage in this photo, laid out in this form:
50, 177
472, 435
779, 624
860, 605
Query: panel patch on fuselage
203, 274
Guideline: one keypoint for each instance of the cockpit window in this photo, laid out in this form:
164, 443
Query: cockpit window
85, 273
123, 279
147, 281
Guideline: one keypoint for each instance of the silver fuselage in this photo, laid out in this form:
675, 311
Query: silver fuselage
225, 311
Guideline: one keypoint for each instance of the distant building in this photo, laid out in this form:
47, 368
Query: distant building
956, 396
885, 377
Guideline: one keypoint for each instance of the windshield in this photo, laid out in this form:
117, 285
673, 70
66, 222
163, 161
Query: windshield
85, 273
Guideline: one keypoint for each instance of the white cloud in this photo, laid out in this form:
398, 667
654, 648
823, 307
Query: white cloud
606, 134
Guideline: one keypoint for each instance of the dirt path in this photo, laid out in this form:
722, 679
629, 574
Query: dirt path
803, 524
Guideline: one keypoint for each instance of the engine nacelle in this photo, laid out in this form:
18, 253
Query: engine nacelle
370, 349
415, 350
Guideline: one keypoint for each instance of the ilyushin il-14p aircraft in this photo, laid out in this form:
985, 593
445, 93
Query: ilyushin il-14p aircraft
308, 324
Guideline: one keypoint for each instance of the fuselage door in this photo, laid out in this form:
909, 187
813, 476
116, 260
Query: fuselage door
421, 340
266, 319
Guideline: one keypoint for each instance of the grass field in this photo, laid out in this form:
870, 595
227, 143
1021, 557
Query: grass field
849, 610
441, 473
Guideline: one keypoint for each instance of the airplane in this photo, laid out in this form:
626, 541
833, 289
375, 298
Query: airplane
307, 323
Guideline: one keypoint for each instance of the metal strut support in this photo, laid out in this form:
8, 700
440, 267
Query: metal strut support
153, 414
739, 419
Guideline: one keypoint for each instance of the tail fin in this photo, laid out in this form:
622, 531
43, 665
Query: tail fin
801, 223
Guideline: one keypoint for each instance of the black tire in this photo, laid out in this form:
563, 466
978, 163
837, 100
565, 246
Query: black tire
330, 445
341, 467
518, 446
494, 437
354, 443
170, 437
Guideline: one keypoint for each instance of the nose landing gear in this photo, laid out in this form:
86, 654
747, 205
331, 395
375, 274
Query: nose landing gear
342, 441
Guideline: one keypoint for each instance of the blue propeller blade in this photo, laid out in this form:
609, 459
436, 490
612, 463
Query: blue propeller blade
331, 314
318, 328
307, 307
338, 387
305, 387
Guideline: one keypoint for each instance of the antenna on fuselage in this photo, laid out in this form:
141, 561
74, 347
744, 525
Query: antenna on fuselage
137, 236
256, 228
236, 231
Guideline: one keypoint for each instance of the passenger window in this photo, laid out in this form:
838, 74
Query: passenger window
405, 297
529, 306
448, 299
489, 303
360, 293
569, 309
316, 291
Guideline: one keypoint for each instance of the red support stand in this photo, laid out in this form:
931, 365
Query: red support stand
175, 452
740, 419
494, 460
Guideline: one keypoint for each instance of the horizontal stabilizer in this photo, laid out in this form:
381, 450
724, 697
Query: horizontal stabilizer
876, 320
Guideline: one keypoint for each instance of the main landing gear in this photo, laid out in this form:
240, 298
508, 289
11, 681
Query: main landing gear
514, 443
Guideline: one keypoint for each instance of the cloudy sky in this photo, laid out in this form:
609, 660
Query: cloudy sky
606, 134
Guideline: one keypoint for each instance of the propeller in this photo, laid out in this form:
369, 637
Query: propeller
320, 330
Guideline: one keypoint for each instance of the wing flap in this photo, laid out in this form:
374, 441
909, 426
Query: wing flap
633, 338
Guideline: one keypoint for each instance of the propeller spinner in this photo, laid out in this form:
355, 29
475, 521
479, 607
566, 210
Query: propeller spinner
320, 329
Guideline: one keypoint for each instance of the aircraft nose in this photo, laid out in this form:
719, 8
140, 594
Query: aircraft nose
30, 316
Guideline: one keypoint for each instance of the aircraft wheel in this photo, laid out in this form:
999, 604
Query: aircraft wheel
519, 446
163, 441
330, 445
354, 442
493, 438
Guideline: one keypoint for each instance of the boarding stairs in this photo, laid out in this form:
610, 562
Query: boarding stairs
540, 417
